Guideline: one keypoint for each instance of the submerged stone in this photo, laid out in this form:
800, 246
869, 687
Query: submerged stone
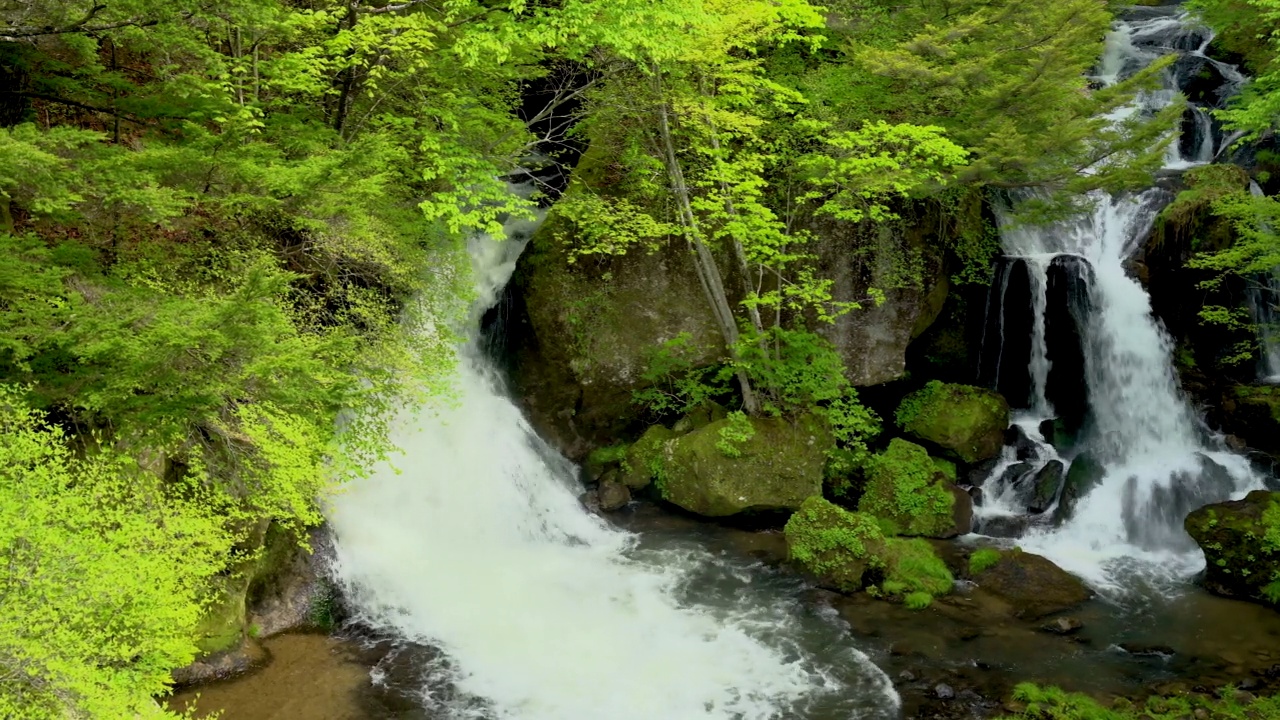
967, 422
1241, 544
711, 473
1032, 585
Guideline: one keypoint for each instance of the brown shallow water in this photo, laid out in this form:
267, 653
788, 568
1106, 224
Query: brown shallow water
967, 641
307, 677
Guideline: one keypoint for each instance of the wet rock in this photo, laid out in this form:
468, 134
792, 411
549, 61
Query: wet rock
1016, 472
776, 468
1145, 650
1006, 349
1200, 79
961, 510
906, 676
1025, 448
1054, 431
978, 474
1004, 526
1063, 626
613, 495
944, 691
966, 422
1084, 475
1045, 486
976, 496
1238, 540
1068, 306
220, 666
1032, 585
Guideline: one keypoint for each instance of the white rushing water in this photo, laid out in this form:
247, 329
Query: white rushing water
1158, 464
476, 543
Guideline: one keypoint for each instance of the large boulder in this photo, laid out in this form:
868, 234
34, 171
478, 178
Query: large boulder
873, 340
913, 494
1032, 585
966, 422
1241, 543
835, 546
718, 470
846, 551
582, 333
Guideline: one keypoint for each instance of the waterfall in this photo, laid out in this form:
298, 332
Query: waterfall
1157, 464
1263, 297
476, 543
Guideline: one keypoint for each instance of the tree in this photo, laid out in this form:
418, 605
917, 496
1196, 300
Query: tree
104, 575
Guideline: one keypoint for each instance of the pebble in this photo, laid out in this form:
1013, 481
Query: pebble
944, 691
1063, 626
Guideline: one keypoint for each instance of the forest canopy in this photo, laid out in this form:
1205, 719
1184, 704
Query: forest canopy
232, 240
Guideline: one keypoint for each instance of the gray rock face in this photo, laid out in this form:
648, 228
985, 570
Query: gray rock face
873, 341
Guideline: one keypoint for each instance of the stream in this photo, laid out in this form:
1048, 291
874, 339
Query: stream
482, 589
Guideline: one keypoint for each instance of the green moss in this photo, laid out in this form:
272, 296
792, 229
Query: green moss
913, 565
778, 464
917, 600
968, 422
947, 468
1189, 216
1241, 544
643, 461
1051, 703
983, 559
907, 488
608, 455
834, 544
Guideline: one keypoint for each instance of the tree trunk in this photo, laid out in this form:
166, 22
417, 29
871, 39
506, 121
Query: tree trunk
704, 261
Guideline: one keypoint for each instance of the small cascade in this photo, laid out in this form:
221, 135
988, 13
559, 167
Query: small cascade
476, 543
1107, 457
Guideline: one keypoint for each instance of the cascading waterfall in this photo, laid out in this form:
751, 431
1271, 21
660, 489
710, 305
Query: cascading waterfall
1157, 463
479, 546
1263, 297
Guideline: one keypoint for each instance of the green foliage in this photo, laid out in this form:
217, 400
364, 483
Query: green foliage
917, 600
105, 574
1052, 703
797, 373
836, 545
736, 432
983, 559
912, 566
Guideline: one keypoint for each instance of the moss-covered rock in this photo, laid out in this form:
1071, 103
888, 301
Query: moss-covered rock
910, 492
1252, 412
644, 459
1084, 475
1241, 543
966, 422
1032, 585
713, 472
582, 333
834, 545
847, 551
